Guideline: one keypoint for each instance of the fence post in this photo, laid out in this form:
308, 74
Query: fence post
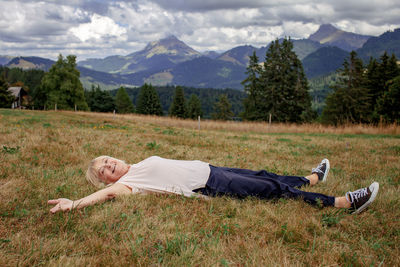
269, 118
55, 107
199, 122
114, 114
75, 107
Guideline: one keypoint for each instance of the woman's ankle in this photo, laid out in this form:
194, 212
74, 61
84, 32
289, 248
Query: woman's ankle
313, 178
341, 202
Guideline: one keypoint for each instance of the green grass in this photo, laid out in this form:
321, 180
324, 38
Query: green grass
44, 155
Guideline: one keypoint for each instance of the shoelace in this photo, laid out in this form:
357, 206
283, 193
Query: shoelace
354, 196
318, 169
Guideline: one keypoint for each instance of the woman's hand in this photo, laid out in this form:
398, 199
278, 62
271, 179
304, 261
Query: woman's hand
61, 204
64, 204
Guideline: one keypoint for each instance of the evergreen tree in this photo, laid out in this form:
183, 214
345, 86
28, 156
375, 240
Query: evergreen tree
148, 101
252, 89
194, 107
222, 109
6, 98
61, 86
350, 102
388, 105
99, 100
123, 103
387, 70
281, 88
373, 81
178, 105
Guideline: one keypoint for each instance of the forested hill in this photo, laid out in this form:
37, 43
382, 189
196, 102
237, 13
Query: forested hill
376, 46
324, 60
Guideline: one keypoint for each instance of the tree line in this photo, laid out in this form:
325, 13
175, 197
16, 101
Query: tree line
60, 87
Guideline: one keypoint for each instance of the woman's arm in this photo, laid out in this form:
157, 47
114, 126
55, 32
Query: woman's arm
64, 204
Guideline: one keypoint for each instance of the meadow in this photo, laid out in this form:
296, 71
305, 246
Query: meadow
44, 155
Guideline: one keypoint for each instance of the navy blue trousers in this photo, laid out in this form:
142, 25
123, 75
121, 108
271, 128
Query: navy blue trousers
242, 183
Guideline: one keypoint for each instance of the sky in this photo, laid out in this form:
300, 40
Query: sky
100, 28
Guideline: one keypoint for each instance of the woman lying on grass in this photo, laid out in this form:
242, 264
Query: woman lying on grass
197, 178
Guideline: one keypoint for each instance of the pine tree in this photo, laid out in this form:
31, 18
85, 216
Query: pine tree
222, 109
123, 103
178, 105
388, 105
253, 89
61, 86
194, 107
148, 101
350, 102
6, 98
280, 88
373, 81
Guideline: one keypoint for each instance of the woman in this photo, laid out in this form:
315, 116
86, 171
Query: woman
197, 178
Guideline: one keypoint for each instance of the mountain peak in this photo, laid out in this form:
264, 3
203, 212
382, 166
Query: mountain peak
328, 34
328, 27
324, 31
170, 45
170, 38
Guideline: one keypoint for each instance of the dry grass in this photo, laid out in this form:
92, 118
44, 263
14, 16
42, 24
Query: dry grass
44, 155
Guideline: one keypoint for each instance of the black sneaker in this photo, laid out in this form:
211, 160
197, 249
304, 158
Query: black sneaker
322, 170
362, 198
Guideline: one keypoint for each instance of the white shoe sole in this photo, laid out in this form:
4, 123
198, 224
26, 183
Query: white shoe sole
374, 188
328, 166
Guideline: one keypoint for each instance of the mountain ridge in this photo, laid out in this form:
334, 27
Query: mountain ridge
189, 67
329, 35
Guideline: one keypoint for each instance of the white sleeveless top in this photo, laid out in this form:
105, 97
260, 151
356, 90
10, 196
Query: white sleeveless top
156, 174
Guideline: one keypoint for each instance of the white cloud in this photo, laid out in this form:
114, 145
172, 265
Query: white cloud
99, 28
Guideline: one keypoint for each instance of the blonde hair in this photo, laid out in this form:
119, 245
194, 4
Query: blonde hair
92, 173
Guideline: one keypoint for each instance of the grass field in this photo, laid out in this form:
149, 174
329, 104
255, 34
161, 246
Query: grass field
44, 155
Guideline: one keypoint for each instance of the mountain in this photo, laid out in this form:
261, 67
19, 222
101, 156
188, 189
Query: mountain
88, 76
5, 59
304, 47
376, 46
205, 72
211, 54
329, 35
238, 55
170, 61
109, 64
329, 59
156, 56
324, 60
30, 63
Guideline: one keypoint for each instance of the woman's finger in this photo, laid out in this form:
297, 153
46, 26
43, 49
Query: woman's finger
55, 209
53, 201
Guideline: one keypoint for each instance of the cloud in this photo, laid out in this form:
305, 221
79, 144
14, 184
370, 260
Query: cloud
98, 28
207, 5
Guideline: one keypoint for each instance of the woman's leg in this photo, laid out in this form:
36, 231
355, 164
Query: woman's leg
318, 174
241, 183
293, 181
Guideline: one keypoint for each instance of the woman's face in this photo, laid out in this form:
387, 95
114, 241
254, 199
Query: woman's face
111, 169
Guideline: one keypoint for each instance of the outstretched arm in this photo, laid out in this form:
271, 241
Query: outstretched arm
64, 204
